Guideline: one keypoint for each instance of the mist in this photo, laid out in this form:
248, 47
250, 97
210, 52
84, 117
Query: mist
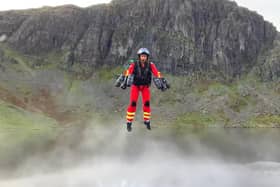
101, 155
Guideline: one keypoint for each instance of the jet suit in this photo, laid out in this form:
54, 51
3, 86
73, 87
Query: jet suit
142, 77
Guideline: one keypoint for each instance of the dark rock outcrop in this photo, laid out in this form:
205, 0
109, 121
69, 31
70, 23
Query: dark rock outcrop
268, 68
184, 36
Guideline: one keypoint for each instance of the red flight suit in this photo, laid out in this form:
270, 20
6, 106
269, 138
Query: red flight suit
140, 87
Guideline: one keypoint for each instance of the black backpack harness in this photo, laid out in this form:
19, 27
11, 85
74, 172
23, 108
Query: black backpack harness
142, 75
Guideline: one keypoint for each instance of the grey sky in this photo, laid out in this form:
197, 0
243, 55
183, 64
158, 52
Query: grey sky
269, 9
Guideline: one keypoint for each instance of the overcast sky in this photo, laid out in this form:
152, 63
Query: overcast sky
270, 9
23, 4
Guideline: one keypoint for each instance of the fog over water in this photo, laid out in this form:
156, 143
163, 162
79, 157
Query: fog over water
112, 157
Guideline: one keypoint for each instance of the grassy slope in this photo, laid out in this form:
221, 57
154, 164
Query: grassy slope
247, 102
190, 102
243, 103
23, 127
21, 131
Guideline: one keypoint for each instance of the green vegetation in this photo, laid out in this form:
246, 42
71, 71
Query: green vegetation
236, 102
202, 86
217, 89
108, 73
265, 120
19, 62
21, 130
208, 103
29, 63
198, 119
191, 101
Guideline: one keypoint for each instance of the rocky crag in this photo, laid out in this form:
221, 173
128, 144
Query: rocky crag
215, 37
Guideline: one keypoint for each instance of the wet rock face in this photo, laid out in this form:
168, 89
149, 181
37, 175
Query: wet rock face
47, 29
268, 68
184, 36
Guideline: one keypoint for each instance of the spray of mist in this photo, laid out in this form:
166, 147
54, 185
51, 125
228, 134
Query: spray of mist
112, 157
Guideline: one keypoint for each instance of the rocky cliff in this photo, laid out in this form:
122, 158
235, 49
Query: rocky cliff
212, 36
268, 67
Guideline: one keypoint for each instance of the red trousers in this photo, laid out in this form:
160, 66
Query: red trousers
134, 94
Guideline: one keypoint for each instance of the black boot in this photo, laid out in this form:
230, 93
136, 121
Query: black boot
148, 124
128, 126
